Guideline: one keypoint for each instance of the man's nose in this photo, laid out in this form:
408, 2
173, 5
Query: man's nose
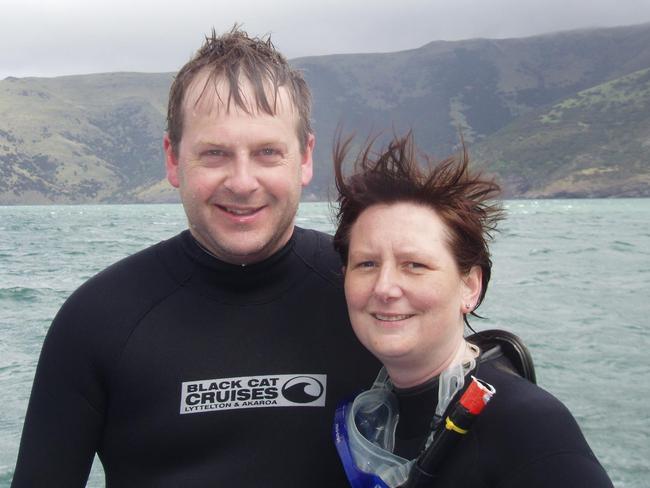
241, 179
388, 286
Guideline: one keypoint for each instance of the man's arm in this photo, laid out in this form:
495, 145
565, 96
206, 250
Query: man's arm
62, 428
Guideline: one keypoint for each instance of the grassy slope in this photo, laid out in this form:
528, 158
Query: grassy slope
595, 143
80, 138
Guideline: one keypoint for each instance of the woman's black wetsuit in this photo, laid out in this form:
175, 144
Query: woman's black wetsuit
525, 438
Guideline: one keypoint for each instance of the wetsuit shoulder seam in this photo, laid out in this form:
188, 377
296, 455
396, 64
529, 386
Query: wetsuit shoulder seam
90, 404
137, 321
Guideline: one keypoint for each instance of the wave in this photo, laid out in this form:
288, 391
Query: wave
20, 294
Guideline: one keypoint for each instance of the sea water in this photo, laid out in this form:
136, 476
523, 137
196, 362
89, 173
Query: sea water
571, 277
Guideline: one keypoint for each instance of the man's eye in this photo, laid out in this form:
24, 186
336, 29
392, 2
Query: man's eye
269, 154
415, 265
366, 264
215, 153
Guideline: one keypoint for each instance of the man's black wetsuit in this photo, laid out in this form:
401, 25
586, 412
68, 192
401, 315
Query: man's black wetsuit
525, 438
184, 371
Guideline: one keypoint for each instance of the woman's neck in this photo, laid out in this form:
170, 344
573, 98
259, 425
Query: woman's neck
409, 375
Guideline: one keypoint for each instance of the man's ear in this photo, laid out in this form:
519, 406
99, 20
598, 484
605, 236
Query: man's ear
171, 161
307, 162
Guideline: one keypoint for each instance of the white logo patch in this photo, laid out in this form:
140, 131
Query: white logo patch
285, 390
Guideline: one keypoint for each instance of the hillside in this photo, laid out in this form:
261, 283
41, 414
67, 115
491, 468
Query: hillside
477, 86
80, 138
555, 115
595, 144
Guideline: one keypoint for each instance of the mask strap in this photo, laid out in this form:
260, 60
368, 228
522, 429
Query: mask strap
450, 382
382, 381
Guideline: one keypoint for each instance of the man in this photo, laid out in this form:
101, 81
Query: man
215, 358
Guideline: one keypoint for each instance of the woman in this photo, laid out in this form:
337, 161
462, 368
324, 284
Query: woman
414, 246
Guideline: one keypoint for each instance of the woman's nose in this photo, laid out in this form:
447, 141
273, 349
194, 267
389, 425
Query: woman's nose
387, 286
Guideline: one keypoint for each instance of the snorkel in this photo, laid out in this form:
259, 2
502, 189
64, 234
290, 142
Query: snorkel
457, 424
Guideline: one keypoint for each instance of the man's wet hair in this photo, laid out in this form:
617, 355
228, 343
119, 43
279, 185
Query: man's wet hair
462, 198
237, 57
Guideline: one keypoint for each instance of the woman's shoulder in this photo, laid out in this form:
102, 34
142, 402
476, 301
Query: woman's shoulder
526, 433
518, 400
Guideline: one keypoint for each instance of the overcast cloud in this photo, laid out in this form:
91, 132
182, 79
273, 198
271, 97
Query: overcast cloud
59, 37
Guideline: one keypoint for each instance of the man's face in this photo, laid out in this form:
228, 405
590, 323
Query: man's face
240, 176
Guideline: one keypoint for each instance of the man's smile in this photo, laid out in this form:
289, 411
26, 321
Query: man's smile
240, 211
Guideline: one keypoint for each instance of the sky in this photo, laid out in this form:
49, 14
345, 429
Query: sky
63, 37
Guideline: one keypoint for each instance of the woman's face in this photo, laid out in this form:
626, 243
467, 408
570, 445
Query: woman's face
405, 294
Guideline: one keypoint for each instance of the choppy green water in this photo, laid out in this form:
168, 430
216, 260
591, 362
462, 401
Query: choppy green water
572, 277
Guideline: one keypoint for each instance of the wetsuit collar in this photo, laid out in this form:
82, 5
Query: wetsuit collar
254, 283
